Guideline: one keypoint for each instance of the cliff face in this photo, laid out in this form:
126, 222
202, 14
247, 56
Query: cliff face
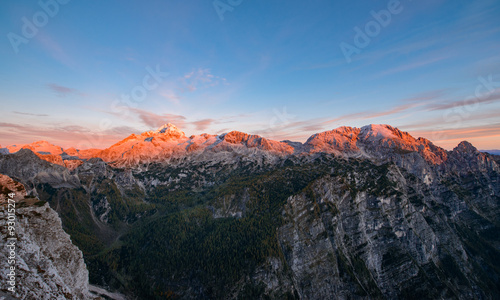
393, 238
47, 264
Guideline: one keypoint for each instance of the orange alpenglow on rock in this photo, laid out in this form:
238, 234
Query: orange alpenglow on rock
168, 141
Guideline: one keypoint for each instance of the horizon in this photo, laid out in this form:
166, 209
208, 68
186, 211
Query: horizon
87, 75
66, 147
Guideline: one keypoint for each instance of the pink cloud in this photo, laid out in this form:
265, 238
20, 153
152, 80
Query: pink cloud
491, 98
155, 120
63, 91
203, 124
64, 136
449, 138
170, 96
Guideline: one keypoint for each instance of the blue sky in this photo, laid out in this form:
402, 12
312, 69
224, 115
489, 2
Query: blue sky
262, 67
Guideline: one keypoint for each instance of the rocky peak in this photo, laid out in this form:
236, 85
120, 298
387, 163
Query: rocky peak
170, 130
466, 157
42, 147
237, 137
384, 132
256, 141
8, 185
26, 153
167, 127
377, 131
348, 131
375, 136
466, 148
340, 140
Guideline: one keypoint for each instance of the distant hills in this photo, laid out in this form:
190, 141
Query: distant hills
494, 152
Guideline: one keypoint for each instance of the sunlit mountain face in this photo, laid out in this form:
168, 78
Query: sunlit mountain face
168, 142
368, 212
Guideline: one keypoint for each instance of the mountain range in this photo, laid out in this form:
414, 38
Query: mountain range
169, 142
352, 213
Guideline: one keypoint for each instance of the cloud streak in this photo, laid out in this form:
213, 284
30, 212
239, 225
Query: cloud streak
200, 79
170, 96
365, 115
155, 120
63, 91
54, 49
203, 124
30, 114
412, 66
64, 136
450, 137
494, 97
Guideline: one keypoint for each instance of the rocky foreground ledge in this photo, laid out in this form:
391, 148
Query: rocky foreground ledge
45, 262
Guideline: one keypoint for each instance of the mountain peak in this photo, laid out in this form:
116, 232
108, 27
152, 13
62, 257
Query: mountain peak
169, 127
166, 130
41, 143
378, 131
42, 147
465, 147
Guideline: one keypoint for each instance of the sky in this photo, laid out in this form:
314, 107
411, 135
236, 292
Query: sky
89, 73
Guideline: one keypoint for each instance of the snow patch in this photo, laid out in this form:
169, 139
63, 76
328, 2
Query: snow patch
378, 131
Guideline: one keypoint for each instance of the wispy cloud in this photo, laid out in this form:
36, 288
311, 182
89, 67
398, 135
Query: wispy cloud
303, 129
64, 136
63, 91
494, 97
439, 122
30, 114
54, 49
121, 130
365, 115
454, 134
153, 120
433, 95
296, 130
73, 128
328, 65
156, 120
201, 78
420, 102
197, 80
395, 110
171, 96
203, 124
412, 66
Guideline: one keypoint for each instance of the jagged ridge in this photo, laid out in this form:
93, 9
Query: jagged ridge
168, 141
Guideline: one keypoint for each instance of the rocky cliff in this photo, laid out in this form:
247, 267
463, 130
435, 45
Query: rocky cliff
395, 237
47, 265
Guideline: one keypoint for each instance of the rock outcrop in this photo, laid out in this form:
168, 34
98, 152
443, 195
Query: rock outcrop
47, 265
392, 238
